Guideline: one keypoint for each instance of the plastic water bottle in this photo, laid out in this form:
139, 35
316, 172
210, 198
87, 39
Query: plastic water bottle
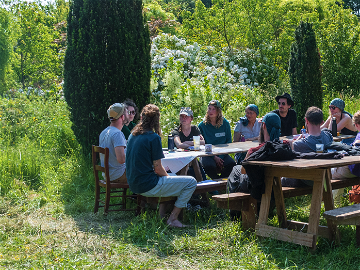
334, 127
303, 130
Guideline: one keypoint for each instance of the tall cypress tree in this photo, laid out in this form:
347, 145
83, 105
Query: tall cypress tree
305, 71
107, 60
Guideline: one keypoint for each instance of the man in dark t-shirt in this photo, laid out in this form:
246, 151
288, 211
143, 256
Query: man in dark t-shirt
287, 115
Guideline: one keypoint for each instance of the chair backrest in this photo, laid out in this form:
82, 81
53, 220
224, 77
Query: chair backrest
104, 169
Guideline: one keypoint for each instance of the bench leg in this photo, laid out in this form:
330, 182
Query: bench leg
329, 205
248, 216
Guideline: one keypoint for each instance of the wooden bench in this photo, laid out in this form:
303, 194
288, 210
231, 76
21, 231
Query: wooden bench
348, 215
248, 206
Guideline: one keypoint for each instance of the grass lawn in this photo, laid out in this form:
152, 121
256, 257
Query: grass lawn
47, 220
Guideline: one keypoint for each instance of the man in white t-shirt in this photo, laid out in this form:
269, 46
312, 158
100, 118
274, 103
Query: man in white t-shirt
114, 139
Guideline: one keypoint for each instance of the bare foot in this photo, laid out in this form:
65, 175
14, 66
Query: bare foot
176, 223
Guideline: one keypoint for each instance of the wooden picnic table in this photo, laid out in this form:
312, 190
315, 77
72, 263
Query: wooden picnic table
176, 158
316, 170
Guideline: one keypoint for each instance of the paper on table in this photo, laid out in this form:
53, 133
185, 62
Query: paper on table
231, 150
174, 162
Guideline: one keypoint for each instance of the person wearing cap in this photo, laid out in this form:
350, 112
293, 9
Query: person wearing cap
238, 181
112, 138
132, 112
183, 135
216, 130
145, 173
343, 118
286, 114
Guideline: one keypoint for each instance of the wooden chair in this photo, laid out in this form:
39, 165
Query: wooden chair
119, 189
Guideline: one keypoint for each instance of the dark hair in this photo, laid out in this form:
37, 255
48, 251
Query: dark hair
149, 120
314, 115
130, 102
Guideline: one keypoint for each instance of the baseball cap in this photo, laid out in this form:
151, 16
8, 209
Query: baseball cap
116, 110
186, 111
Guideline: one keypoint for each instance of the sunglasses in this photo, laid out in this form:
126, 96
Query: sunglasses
281, 103
332, 107
131, 112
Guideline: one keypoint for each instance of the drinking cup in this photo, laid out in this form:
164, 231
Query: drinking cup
196, 142
319, 148
208, 148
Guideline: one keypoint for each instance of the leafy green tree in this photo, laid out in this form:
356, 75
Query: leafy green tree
107, 60
305, 71
4, 47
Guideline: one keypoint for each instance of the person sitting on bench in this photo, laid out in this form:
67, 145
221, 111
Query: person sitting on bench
145, 173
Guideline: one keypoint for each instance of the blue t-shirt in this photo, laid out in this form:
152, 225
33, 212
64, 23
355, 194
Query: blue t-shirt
141, 151
214, 135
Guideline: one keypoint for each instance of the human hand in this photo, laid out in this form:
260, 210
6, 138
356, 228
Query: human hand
219, 162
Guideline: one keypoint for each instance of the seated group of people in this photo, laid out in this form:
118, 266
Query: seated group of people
142, 148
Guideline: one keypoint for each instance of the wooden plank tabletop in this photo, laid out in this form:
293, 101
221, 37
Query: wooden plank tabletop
336, 138
308, 163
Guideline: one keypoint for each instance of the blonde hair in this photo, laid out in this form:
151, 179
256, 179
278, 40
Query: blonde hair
356, 118
219, 118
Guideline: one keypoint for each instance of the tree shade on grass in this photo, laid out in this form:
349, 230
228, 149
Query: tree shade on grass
305, 71
107, 60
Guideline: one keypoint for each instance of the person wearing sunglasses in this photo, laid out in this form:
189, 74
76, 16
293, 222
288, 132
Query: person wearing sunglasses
216, 130
343, 119
132, 112
287, 115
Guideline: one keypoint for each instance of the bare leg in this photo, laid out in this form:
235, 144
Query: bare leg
173, 219
162, 210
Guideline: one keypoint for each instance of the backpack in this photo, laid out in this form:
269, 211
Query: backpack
354, 194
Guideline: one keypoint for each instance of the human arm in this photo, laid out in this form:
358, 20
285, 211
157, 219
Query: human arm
182, 145
326, 124
294, 131
346, 122
252, 139
120, 154
236, 136
158, 168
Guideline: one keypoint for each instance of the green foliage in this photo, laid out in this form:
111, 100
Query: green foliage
107, 60
36, 60
4, 46
305, 71
268, 27
192, 75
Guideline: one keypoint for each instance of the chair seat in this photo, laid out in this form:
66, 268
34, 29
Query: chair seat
112, 190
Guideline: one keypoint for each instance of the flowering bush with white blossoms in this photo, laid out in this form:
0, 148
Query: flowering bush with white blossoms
191, 75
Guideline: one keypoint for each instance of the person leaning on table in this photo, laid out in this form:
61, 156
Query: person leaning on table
184, 133
353, 170
248, 126
306, 144
343, 119
145, 173
216, 130
114, 139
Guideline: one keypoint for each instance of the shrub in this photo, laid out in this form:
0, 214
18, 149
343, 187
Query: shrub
107, 60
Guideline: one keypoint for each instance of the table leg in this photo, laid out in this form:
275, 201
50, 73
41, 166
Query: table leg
195, 165
279, 201
329, 205
315, 210
265, 201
